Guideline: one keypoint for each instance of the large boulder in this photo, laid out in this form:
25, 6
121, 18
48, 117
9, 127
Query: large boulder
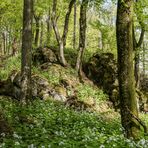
43, 55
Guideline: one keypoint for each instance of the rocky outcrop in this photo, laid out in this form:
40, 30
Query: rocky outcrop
102, 70
43, 55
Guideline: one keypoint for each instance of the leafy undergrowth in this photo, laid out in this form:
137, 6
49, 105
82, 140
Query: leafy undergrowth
49, 124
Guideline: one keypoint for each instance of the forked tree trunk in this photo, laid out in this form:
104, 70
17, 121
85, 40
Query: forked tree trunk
82, 35
26, 51
137, 55
137, 45
61, 40
128, 101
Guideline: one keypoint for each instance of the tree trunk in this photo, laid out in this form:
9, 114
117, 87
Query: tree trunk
41, 34
136, 69
4, 43
14, 47
143, 61
61, 40
128, 102
9, 46
75, 23
49, 27
26, 51
82, 35
137, 56
37, 21
100, 46
65, 31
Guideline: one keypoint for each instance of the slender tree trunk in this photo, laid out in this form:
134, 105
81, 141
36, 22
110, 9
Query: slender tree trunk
26, 51
75, 23
137, 45
37, 20
137, 56
82, 36
136, 69
65, 31
143, 62
41, 34
49, 27
100, 46
128, 101
0, 48
14, 47
6, 40
9, 46
4, 43
61, 40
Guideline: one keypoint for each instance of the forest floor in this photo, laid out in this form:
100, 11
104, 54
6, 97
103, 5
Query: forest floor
52, 124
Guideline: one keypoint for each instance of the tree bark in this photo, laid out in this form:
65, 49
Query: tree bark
65, 31
75, 23
61, 40
137, 55
143, 61
41, 33
57, 34
14, 46
26, 51
4, 43
138, 44
82, 35
128, 101
49, 27
37, 21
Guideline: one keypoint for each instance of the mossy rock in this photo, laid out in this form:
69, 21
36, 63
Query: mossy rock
43, 55
102, 70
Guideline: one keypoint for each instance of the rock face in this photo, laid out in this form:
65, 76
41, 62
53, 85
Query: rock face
102, 70
41, 88
43, 55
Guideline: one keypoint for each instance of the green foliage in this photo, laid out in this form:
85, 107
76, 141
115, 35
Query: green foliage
86, 91
51, 124
13, 63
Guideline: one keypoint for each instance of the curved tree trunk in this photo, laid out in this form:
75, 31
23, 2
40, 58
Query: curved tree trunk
128, 100
61, 40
